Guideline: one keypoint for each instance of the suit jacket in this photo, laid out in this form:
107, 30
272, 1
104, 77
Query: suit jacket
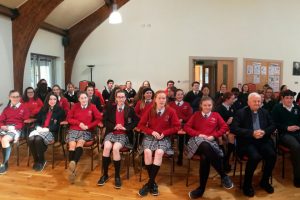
58, 115
130, 120
96, 101
242, 127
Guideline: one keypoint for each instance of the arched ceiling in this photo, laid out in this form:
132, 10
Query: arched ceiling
66, 14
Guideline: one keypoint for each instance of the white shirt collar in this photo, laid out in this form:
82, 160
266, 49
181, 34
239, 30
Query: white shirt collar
17, 105
226, 106
208, 114
84, 107
180, 103
71, 94
122, 107
161, 111
288, 108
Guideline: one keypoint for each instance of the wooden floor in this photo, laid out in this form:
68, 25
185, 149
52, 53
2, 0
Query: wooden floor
24, 183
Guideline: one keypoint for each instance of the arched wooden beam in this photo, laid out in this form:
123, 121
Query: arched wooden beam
79, 32
24, 27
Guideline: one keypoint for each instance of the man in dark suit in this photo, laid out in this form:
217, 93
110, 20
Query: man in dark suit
108, 89
253, 127
194, 93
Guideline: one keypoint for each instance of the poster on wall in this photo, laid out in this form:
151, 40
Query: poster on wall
274, 81
263, 70
274, 69
256, 68
296, 68
256, 79
249, 69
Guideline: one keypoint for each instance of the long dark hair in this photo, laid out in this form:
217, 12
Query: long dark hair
46, 106
25, 97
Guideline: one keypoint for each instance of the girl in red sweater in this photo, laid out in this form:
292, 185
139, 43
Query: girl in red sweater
11, 124
62, 101
205, 127
158, 124
83, 118
31, 101
145, 103
184, 112
119, 121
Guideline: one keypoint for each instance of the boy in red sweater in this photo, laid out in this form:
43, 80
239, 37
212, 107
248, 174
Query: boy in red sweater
184, 112
83, 118
157, 123
11, 124
205, 127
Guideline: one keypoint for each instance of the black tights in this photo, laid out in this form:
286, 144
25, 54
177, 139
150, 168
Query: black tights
37, 148
208, 156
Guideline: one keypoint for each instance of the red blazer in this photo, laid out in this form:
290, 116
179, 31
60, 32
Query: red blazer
167, 124
214, 125
89, 116
16, 116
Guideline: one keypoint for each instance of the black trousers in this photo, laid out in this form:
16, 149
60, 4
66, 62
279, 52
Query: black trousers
37, 148
256, 152
208, 156
292, 141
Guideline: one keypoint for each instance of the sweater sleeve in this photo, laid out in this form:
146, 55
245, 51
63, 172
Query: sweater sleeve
188, 127
174, 124
143, 124
70, 117
3, 118
222, 127
97, 118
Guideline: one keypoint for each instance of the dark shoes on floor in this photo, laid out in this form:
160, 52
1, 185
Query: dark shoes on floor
103, 180
118, 183
197, 193
144, 190
248, 191
267, 187
3, 168
226, 182
297, 183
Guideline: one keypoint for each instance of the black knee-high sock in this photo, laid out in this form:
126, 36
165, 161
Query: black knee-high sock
40, 148
117, 164
33, 149
149, 168
78, 153
105, 164
204, 171
71, 155
6, 154
154, 171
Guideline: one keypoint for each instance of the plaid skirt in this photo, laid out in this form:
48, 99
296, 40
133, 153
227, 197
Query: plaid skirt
48, 137
121, 138
149, 142
75, 135
194, 143
10, 133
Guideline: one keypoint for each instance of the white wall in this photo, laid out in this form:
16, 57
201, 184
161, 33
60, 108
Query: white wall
46, 43
158, 36
6, 75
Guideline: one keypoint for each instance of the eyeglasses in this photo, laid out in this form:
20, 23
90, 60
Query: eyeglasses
14, 97
30, 92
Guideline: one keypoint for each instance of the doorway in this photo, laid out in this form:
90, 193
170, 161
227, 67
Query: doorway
213, 72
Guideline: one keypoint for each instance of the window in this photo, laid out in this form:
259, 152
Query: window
42, 67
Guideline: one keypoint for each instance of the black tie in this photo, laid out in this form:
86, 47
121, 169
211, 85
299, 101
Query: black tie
147, 101
178, 104
14, 107
120, 109
205, 116
159, 113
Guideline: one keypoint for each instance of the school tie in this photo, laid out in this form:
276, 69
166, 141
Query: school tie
147, 101
14, 107
178, 104
159, 113
205, 116
120, 109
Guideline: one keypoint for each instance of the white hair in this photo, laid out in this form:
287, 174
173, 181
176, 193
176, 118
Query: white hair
253, 94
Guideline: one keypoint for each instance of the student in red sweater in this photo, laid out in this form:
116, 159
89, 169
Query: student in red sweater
31, 101
62, 101
119, 121
158, 124
11, 124
184, 112
83, 118
145, 103
205, 127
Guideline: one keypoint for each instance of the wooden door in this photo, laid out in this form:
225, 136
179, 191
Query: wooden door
225, 72
209, 77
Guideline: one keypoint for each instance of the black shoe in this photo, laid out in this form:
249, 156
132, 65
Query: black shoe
197, 193
118, 183
248, 191
103, 180
226, 182
144, 190
40, 166
35, 165
154, 190
3, 168
297, 183
267, 187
